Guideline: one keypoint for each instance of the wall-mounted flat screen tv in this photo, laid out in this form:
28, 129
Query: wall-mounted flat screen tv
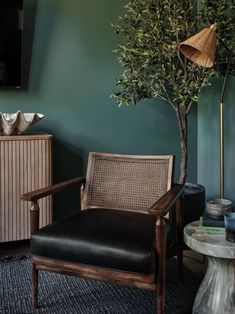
11, 27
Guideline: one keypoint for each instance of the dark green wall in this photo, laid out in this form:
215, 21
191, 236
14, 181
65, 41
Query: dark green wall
71, 74
209, 137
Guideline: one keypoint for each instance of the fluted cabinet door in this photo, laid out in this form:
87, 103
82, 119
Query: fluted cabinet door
25, 165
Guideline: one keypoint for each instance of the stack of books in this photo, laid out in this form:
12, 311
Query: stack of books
211, 225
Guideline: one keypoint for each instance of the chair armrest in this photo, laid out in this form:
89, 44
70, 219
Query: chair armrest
40, 193
162, 206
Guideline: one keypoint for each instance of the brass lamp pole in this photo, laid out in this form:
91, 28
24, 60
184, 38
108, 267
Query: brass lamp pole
200, 49
222, 123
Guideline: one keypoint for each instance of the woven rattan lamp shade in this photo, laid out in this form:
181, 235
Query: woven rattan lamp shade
200, 48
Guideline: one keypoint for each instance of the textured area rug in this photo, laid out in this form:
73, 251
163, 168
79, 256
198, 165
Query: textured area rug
73, 295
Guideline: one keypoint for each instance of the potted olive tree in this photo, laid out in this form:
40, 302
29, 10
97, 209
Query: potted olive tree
153, 66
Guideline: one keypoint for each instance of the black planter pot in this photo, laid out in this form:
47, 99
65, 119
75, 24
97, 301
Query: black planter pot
194, 202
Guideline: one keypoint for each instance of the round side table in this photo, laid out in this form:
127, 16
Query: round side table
216, 294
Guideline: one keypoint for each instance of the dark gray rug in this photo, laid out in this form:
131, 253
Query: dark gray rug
73, 295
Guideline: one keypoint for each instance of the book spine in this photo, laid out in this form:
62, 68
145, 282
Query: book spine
207, 223
212, 229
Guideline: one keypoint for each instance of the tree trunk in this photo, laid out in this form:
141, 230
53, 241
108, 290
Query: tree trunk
183, 127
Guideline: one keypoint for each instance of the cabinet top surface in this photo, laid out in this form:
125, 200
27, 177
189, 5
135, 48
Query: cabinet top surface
211, 244
26, 136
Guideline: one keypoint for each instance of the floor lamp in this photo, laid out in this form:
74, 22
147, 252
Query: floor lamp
200, 49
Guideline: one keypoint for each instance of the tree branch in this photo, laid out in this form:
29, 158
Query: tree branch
189, 107
180, 59
168, 97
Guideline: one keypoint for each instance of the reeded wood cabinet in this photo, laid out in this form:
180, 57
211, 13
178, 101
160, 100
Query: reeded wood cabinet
25, 165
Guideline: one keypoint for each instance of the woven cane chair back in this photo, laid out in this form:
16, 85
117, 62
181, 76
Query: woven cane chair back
127, 182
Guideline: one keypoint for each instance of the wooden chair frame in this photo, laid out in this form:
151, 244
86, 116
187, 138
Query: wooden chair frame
154, 281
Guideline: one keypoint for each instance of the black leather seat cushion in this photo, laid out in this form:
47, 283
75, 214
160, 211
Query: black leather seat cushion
107, 238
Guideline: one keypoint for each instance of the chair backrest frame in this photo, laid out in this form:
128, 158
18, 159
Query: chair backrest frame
126, 182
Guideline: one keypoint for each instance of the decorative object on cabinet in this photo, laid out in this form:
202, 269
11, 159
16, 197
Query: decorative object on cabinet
123, 233
25, 164
17, 123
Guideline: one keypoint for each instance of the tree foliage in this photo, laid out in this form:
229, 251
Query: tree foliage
152, 65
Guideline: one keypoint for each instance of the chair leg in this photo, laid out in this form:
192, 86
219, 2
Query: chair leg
161, 298
34, 286
161, 268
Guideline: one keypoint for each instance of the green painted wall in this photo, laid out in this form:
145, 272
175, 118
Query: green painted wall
209, 137
71, 71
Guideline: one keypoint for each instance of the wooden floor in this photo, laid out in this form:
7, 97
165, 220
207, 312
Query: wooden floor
195, 261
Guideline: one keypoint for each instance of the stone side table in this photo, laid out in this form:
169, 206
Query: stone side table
216, 294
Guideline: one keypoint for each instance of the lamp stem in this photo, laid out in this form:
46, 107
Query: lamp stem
221, 150
222, 120
226, 75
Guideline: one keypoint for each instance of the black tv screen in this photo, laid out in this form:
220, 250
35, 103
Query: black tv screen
11, 25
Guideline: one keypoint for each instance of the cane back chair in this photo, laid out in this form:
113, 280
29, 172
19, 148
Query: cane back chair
122, 234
